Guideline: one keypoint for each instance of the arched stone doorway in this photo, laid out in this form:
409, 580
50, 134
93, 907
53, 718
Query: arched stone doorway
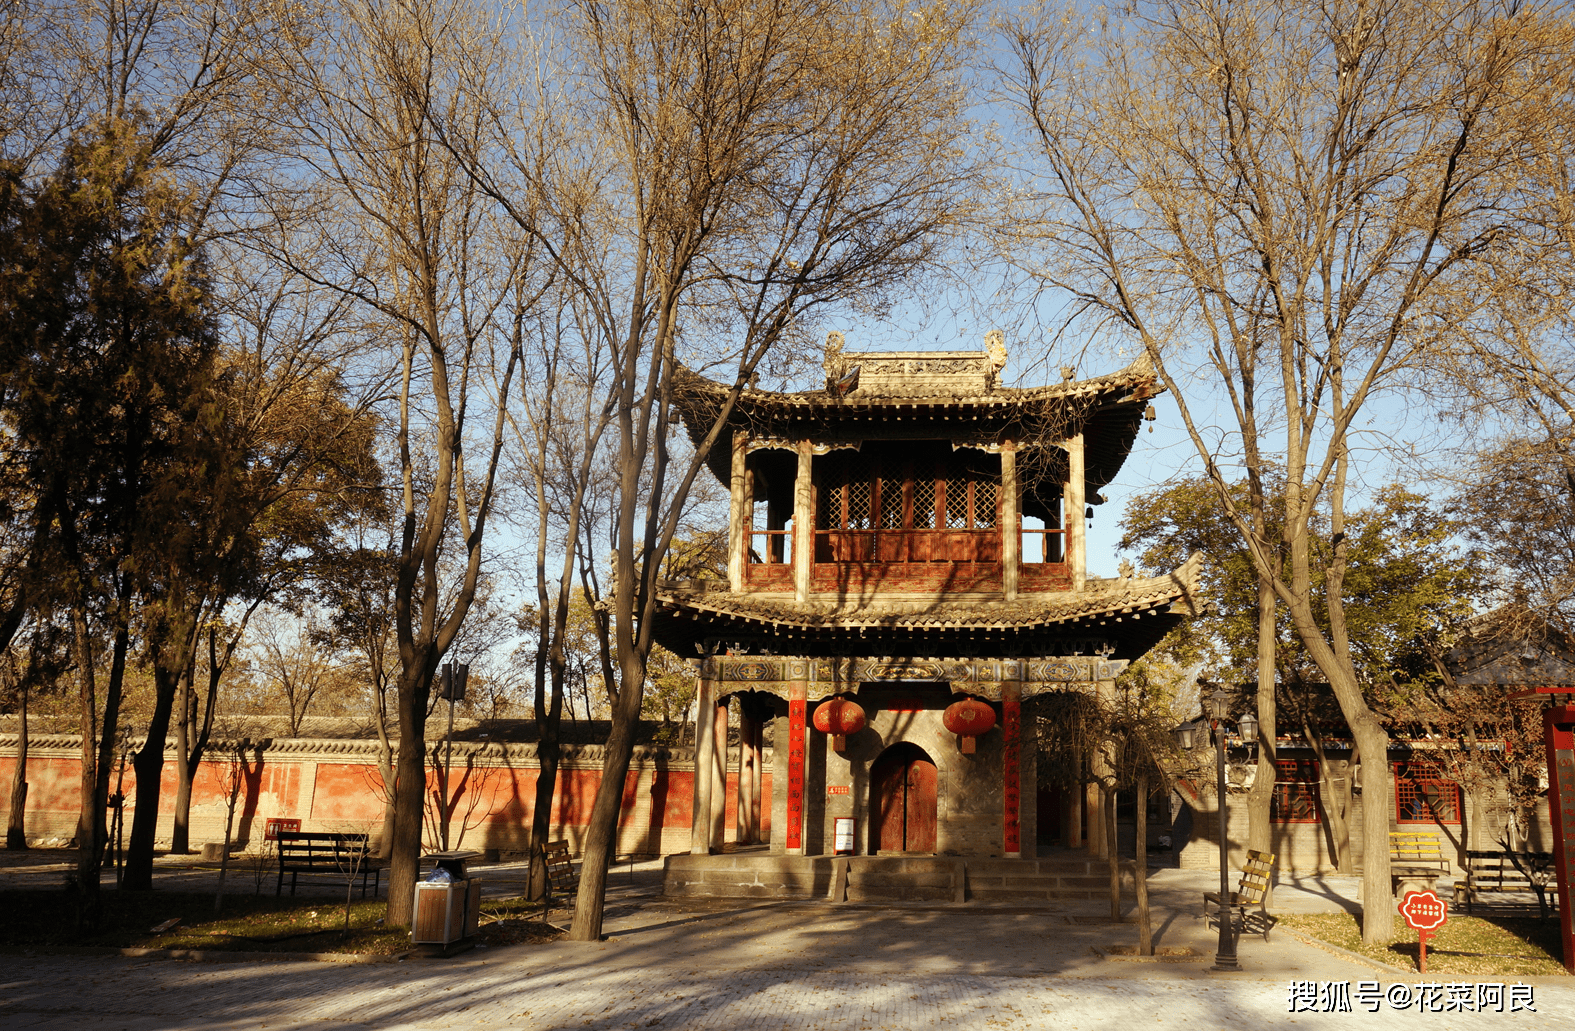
903, 788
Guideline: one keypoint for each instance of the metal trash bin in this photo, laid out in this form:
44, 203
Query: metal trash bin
446, 911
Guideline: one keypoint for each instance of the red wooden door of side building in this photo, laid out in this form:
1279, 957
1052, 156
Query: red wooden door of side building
905, 784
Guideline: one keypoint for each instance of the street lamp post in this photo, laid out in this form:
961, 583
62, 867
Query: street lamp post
1218, 706
1225, 955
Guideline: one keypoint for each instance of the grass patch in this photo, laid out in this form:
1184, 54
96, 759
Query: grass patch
249, 923
1466, 945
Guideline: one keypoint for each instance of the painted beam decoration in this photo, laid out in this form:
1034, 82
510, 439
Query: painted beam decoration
983, 677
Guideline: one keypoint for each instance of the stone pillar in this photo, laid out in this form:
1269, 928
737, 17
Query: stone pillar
803, 522
1011, 520
749, 778
1075, 503
719, 775
1094, 815
1071, 818
798, 696
705, 744
1105, 691
1011, 768
757, 781
738, 513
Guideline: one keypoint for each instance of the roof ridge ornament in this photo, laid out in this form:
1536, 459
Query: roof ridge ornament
995, 347
835, 364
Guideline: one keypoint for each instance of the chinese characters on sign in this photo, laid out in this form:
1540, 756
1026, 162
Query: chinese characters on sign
1011, 725
1424, 913
1458, 997
795, 799
280, 825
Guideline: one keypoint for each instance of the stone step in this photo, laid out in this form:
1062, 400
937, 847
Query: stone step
876, 878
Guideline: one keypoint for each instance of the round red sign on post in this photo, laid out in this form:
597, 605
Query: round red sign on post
1424, 913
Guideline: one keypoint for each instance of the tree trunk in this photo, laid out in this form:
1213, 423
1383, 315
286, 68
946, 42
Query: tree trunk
547, 755
1140, 870
237, 782
90, 817
409, 796
385, 768
16, 825
601, 837
1113, 855
180, 833
194, 741
1260, 798
1378, 918
98, 748
149, 764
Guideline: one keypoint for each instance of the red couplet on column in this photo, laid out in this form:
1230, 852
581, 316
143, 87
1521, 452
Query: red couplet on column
1011, 731
795, 787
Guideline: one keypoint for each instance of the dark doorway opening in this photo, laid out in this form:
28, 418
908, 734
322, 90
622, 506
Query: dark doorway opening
904, 784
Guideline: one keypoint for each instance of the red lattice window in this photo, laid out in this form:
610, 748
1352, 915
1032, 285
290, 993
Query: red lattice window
891, 491
1424, 795
1295, 792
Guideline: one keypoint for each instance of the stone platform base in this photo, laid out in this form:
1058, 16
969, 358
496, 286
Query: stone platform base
887, 878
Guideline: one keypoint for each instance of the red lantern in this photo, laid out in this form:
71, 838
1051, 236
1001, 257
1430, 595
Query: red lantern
968, 719
839, 717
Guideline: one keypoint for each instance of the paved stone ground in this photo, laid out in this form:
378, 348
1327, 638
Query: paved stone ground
791, 965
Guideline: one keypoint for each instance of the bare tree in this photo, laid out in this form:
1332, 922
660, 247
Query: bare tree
743, 166
1281, 200
401, 230
295, 663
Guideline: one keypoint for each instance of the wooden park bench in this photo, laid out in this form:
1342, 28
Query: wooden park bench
1415, 862
1250, 894
561, 875
1496, 871
345, 856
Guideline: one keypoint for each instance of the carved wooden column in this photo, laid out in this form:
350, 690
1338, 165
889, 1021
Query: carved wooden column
1011, 519
798, 697
739, 504
719, 775
1011, 768
1074, 504
803, 522
705, 744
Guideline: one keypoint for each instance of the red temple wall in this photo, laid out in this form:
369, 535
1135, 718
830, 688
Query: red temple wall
493, 799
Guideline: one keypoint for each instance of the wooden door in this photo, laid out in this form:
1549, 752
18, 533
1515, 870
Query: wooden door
905, 783
919, 810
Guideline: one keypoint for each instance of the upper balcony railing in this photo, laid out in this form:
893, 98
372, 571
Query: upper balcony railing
908, 546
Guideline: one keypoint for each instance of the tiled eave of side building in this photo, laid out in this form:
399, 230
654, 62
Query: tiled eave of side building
963, 407
1121, 618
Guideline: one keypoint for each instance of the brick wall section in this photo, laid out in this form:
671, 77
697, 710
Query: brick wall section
335, 785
